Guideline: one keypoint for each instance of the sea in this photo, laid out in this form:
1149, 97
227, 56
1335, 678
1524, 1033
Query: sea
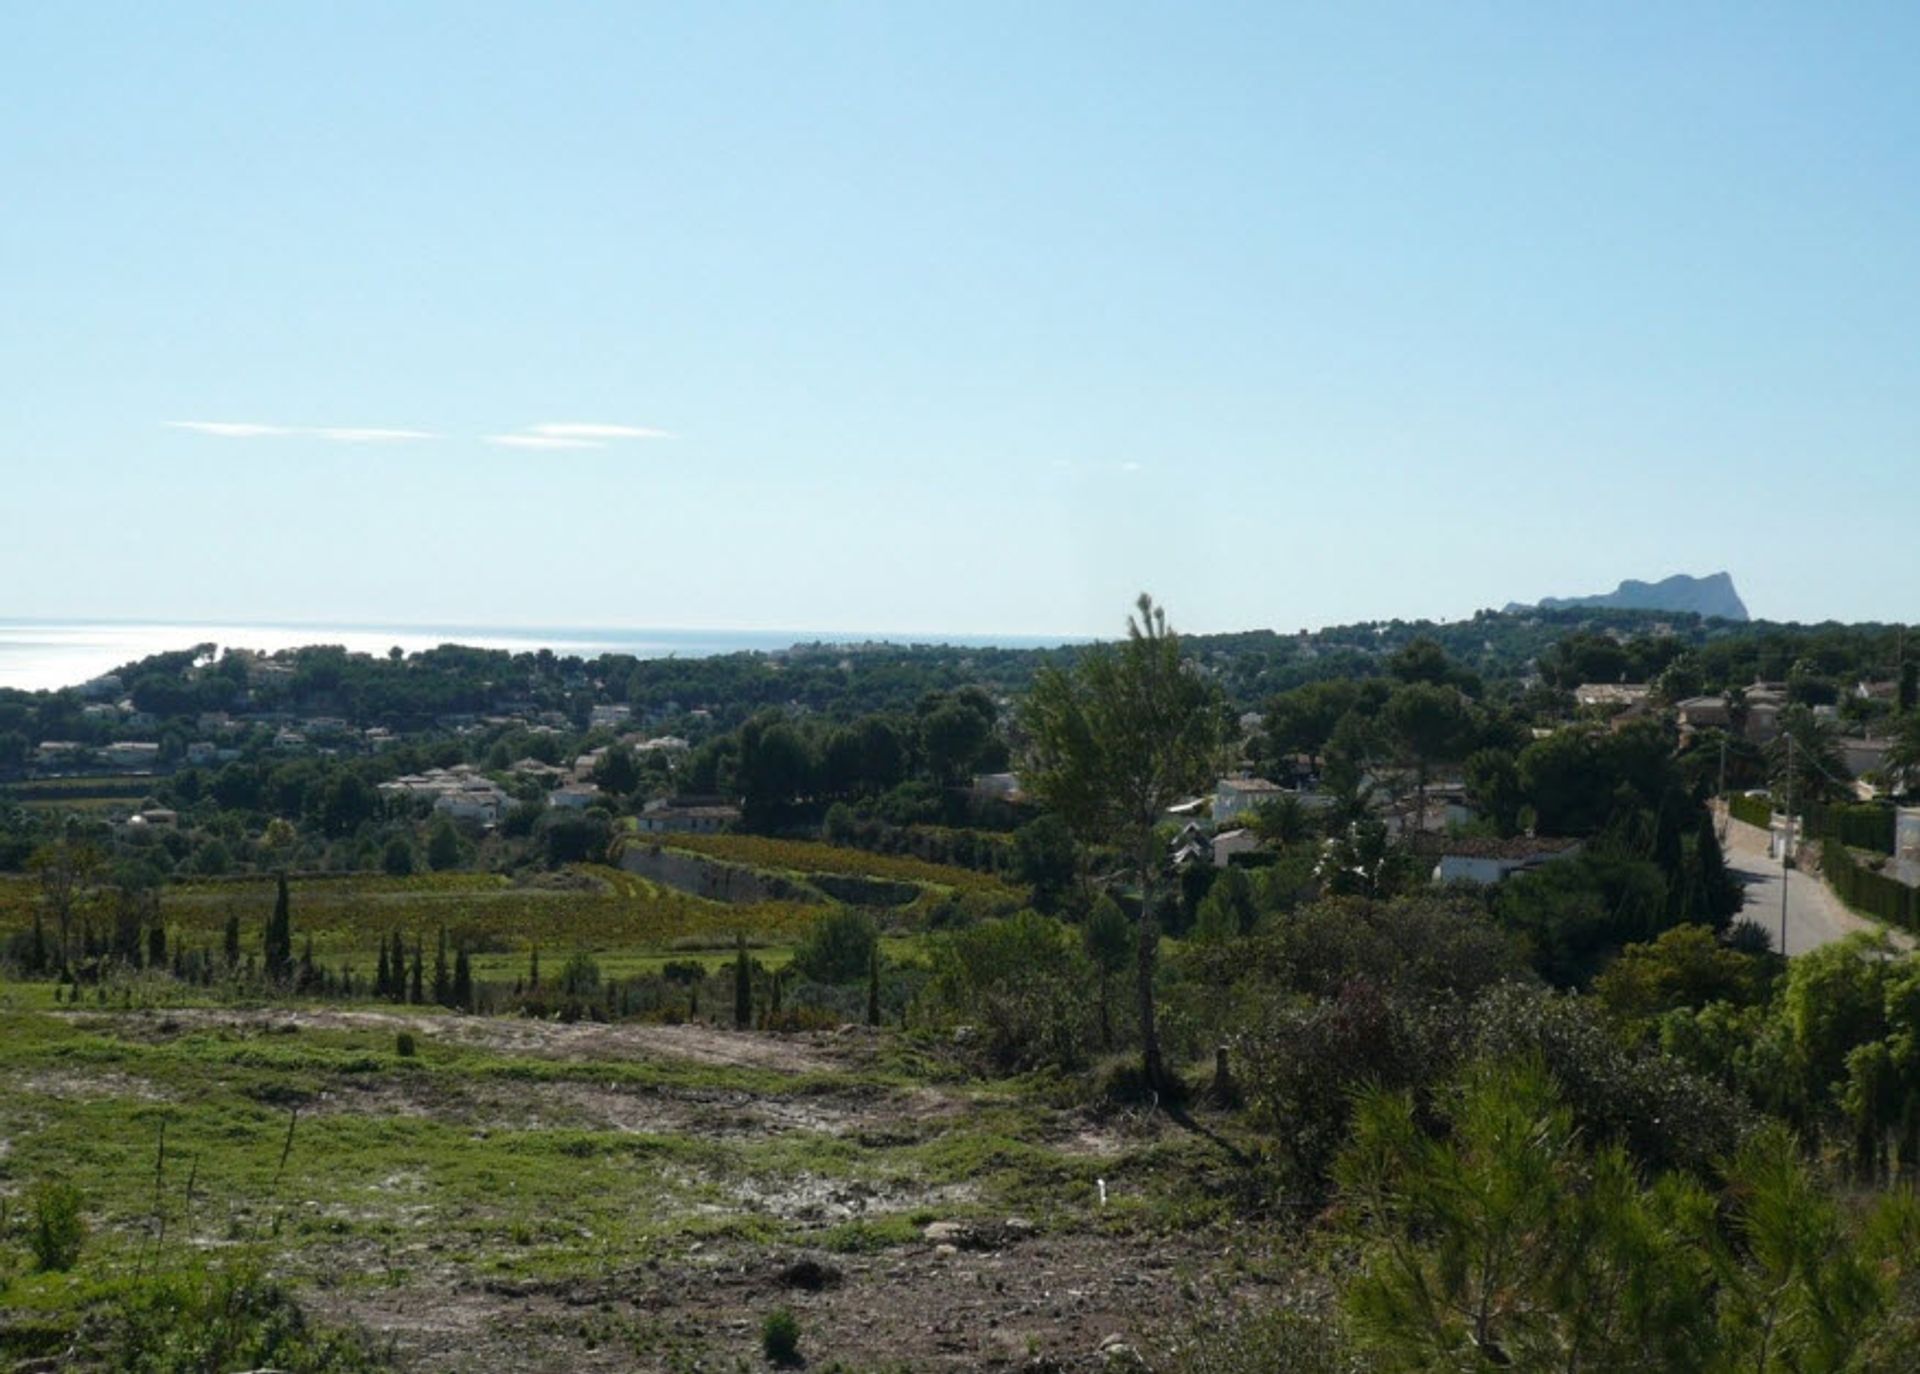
44, 655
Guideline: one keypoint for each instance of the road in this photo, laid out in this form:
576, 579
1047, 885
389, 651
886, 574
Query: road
1815, 916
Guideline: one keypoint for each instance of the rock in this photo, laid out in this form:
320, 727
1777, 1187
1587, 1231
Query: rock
946, 1251
945, 1232
1120, 1355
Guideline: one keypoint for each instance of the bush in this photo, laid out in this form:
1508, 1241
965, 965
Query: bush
403, 1045
780, 1336
232, 1319
57, 1226
838, 949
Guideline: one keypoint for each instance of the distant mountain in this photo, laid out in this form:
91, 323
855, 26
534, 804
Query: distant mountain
1705, 596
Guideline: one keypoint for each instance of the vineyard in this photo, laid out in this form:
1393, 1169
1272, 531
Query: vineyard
805, 856
601, 910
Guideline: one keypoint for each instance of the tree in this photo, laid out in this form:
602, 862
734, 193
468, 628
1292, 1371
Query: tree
444, 849
462, 980
1806, 760
65, 869
383, 974
278, 946
1044, 855
873, 986
742, 984
1114, 741
1105, 940
397, 858
1426, 724
1493, 786
415, 994
230, 943
442, 973
618, 772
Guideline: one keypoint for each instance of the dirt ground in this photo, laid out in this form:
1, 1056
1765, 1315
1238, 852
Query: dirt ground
972, 1290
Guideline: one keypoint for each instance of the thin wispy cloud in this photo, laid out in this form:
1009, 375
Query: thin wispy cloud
541, 441
339, 434
554, 434
353, 435
228, 429
579, 429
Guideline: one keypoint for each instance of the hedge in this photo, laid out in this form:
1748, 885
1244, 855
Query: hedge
1753, 810
1860, 827
1874, 894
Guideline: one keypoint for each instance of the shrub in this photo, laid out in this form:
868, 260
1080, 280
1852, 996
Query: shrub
839, 948
403, 1045
780, 1336
57, 1226
231, 1319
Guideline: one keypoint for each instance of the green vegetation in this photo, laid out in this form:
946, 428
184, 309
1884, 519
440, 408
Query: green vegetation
284, 1073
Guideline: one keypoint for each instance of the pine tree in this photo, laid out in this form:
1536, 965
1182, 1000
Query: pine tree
419, 962
462, 981
742, 983
442, 975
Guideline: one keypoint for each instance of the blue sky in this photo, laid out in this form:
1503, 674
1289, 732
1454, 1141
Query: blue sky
967, 317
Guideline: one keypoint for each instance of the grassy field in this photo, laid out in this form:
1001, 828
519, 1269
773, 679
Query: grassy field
539, 1196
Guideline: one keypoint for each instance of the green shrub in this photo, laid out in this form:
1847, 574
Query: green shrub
56, 1226
780, 1336
219, 1320
404, 1046
838, 949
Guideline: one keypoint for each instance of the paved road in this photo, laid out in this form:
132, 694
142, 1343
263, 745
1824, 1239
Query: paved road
1815, 916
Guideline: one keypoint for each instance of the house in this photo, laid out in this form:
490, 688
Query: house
1611, 696
1864, 755
534, 768
1191, 846
1238, 798
573, 796
56, 753
608, 717
134, 755
1231, 842
997, 786
158, 816
479, 802
1705, 713
202, 752
687, 816
1485, 860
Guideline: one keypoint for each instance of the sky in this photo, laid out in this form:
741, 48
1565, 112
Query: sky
968, 318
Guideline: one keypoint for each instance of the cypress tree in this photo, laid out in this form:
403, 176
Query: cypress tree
462, 981
742, 984
306, 963
873, 986
398, 990
232, 942
382, 973
156, 946
279, 942
419, 961
442, 975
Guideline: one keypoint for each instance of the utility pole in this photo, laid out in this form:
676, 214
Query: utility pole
1786, 848
1726, 805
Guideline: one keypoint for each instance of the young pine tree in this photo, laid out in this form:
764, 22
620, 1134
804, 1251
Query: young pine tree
742, 984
